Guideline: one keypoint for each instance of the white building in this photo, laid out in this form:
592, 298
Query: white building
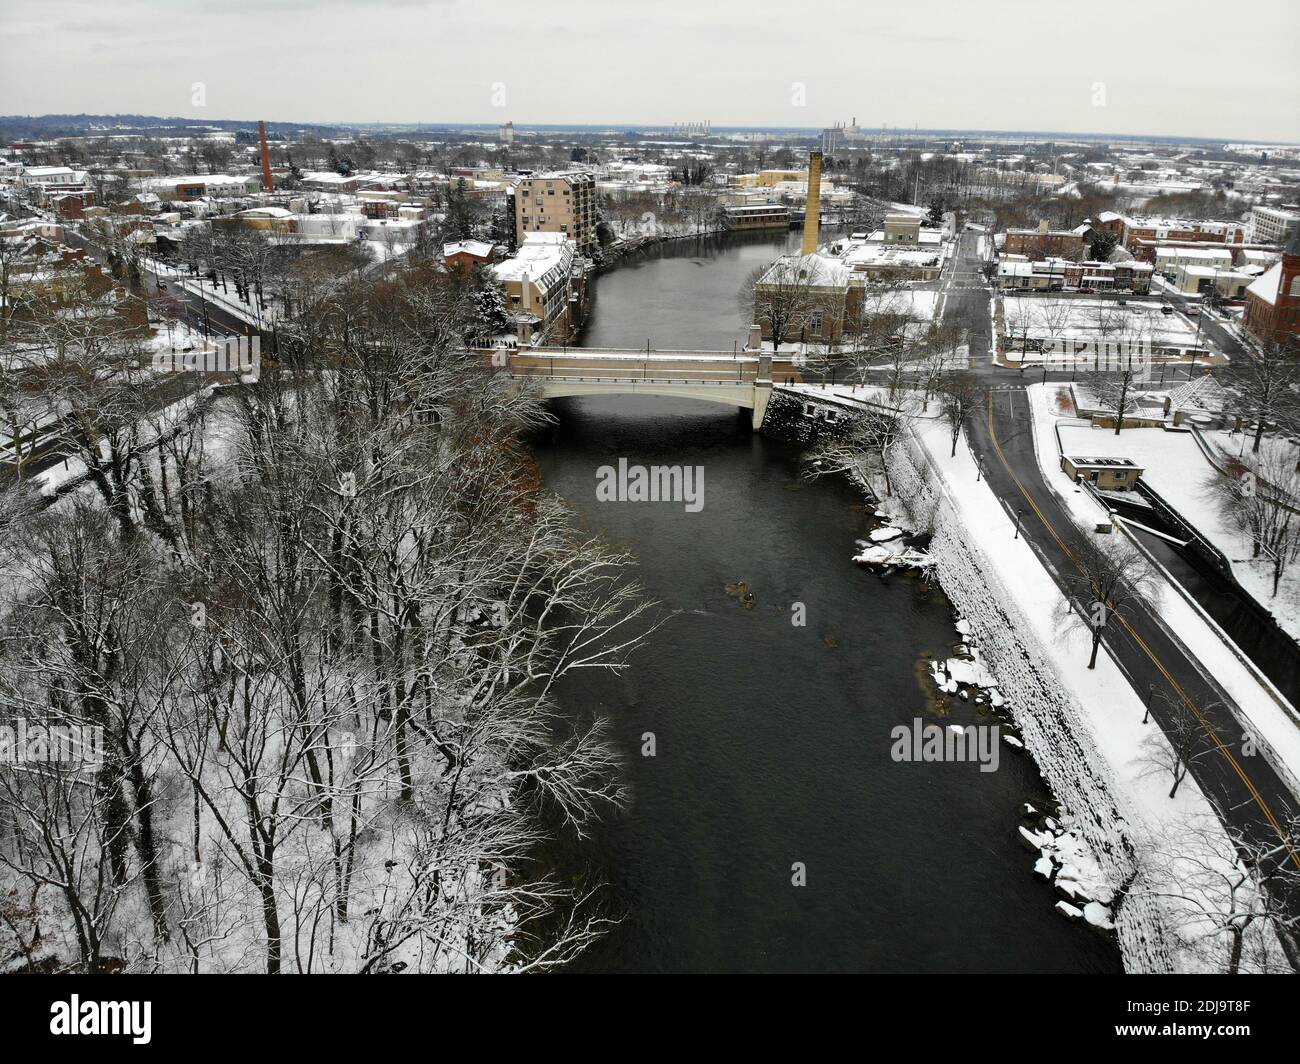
1168, 260
1273, 225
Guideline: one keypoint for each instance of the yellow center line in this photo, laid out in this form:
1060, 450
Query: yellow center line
1177, 687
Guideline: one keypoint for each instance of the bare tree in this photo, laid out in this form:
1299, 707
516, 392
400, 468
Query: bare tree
1267, 384
1218, 894
1261, 497
865, 449
1117, 394
1112, 580
1178, 745
962, 395
781, 296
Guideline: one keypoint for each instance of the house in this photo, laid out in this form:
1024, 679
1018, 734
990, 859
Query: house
1106, 474
1017, 272
467, 253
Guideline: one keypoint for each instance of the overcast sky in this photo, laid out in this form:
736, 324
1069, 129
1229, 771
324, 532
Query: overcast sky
1195, 67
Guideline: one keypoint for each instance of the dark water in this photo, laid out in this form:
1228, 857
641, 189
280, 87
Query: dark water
773, 741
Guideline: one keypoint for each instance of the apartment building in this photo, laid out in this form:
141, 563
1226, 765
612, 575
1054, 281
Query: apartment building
563, 203
544, 287
1047, 243
1143, 235
1273, 225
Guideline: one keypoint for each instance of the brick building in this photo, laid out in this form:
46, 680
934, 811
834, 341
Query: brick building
819, 299
1047, 243
1273, 301
467, 253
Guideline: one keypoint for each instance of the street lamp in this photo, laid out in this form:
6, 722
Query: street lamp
1151, 689
1020, 512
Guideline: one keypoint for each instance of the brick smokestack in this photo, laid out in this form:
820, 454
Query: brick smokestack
813, 213
268, 182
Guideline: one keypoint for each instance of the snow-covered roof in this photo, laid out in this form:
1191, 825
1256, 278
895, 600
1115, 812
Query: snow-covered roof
478, 248
538, 255
1266, 285
816, 269
328, 177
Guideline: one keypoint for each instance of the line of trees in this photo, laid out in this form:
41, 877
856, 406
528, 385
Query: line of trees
319, 620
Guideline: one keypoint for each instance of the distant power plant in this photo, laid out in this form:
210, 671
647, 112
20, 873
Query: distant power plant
692, 129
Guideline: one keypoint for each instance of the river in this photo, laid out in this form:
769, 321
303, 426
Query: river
772, 740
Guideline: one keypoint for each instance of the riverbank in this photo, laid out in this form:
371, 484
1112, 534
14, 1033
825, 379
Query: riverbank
1083, 727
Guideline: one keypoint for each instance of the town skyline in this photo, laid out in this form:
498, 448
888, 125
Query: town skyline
950, 67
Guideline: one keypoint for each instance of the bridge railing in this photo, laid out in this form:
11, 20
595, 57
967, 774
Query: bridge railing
636, 378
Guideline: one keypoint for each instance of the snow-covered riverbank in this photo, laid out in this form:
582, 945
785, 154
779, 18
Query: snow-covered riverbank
1083, 727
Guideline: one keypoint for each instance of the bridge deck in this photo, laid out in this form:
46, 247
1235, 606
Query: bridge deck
622, 368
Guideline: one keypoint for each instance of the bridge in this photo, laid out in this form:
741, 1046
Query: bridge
742, 379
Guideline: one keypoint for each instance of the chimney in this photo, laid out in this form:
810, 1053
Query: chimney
268, 182
812, 215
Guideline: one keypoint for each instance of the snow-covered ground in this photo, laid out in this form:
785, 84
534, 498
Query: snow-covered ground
1110, 711
1095, 321
1177, 469
1084, 727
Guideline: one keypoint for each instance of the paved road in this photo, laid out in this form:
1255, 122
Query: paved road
1210, 326
1245, 789
202, 315
211, 320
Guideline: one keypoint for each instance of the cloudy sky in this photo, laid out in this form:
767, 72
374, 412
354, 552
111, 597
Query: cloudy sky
1197, 67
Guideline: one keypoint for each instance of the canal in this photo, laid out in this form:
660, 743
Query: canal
772, 741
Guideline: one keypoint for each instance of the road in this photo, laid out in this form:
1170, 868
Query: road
202, 315
210, 320
1249, 794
